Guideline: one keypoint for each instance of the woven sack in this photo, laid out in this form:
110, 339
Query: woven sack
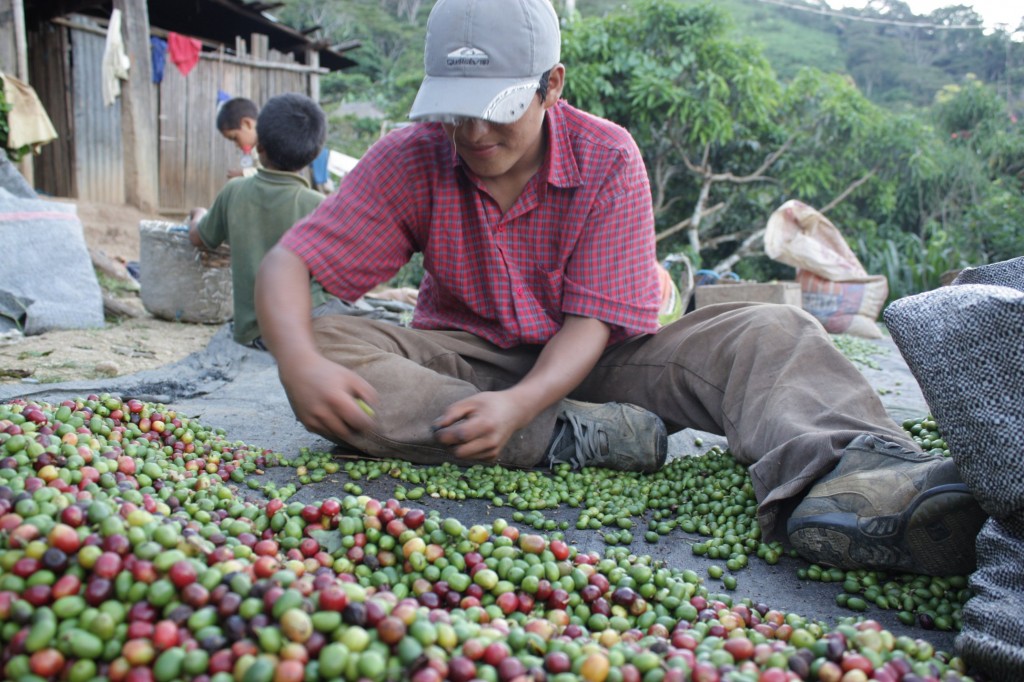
47, 281
965, 345
992, 638
180, 282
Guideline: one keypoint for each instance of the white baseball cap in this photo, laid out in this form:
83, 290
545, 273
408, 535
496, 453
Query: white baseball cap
484, 58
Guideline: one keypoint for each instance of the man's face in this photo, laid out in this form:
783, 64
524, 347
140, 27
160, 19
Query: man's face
496, 150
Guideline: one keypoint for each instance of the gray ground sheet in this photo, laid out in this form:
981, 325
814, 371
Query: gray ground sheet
237, 389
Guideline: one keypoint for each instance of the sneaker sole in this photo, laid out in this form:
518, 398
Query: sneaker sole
934, 536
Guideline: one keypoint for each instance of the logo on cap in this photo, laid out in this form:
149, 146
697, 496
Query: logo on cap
467, 56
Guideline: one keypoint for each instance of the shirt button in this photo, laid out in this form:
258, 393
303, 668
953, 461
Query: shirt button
500, 228
519, 291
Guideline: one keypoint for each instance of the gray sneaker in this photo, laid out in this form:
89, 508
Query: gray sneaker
611, 435
886, 507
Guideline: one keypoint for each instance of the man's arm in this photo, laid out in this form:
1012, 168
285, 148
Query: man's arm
478, 427
322, 394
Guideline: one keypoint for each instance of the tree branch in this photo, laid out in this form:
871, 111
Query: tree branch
759, 174
745, 249
849, 190
685, 224
712, 242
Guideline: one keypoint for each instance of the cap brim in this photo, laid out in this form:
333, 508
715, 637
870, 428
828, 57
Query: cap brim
499, 100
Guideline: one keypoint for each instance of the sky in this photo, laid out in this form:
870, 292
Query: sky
993, 11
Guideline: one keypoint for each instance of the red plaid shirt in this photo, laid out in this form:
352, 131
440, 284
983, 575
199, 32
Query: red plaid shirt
579, 240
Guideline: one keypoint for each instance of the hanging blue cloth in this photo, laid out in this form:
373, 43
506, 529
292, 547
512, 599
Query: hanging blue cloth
158, 49
319, 167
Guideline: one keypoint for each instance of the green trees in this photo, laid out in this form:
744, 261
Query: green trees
989, 138
665, 72
726, 142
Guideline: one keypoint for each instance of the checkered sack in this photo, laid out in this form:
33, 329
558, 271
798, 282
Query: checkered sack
965, 346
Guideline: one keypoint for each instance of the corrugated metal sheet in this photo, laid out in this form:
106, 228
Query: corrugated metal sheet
99, 154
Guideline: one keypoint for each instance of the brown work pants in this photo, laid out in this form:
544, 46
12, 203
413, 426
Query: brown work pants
767, 377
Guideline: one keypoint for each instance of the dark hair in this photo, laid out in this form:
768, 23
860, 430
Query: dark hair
231, 113
291, 130
542, 87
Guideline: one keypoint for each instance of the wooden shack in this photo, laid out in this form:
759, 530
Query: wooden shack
156, 146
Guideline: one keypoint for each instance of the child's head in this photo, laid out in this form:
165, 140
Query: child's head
236, 120
292, 130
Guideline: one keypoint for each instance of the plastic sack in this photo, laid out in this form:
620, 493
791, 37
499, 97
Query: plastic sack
47, 281
836, 288
672, 304
846, 307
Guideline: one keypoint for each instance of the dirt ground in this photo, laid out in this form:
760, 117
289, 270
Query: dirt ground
124, 345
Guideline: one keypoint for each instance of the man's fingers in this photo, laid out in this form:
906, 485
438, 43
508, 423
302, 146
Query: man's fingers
351, 417
452, 434
455, 414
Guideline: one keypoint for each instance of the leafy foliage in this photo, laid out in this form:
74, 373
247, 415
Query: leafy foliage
390, 57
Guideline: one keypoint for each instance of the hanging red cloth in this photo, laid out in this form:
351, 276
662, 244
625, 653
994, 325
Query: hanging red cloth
183, 51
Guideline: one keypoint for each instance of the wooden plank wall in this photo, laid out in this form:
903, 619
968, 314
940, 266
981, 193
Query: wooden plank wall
194, 156
50, 71
87, 160
8, 42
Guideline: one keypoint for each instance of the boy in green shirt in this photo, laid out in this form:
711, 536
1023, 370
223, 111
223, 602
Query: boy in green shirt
251, 213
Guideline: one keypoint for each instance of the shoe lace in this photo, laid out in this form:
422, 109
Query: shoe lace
577, 448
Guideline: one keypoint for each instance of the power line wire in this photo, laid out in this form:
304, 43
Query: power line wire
825, 11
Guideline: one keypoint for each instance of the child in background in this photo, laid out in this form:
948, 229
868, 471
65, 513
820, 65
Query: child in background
236, 120
251, 213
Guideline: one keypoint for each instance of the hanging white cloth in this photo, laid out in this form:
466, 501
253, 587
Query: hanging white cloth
115, 60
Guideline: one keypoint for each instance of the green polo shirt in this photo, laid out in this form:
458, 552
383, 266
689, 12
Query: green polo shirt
250, 214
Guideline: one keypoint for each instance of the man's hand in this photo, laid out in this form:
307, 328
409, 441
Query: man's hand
326, 398
478, 427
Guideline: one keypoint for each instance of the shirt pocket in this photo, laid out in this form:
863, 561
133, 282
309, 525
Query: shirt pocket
549, 292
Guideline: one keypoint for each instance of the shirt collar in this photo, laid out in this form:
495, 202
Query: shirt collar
281, 177
560, 166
